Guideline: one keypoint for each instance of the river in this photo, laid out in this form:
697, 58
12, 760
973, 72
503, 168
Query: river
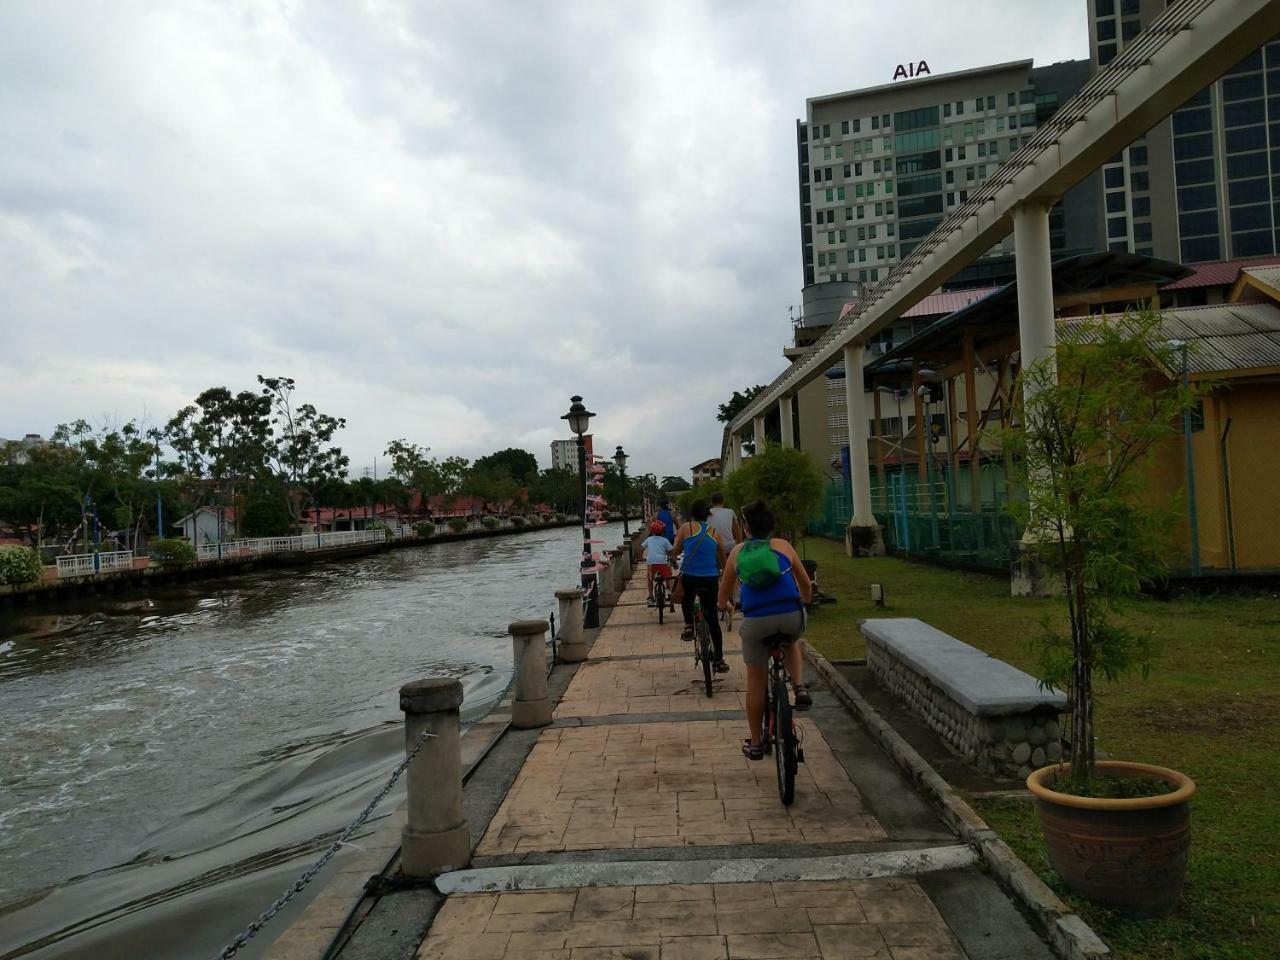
170, 760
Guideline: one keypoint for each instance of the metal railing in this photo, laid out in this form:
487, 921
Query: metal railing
88, 564
259, 546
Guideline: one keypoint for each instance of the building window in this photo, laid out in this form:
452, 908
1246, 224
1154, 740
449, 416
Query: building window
875, 122
817, 131
1013, 144
862, 233
1129, 29
1142, 233
879, 209
946, 109
999, 124
1142, 206
1104, 8
857, 126
844, 126
822, 259
890, 228
857, 170
1140, 180
1106, 30
1113, 177
1138, 156
831, 236
960, 151
847, 171
875, 168
1115, 202
888, 208
861, 212
991, 102
891, 249
826, 130
871, 232
840, 193
1117, 227
888, 188
959, 108
1106, 53
879, 253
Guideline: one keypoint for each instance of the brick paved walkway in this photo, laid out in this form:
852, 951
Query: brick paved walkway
839, 919
642, 771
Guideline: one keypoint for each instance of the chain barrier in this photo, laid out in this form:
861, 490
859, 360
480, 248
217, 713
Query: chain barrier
242, 938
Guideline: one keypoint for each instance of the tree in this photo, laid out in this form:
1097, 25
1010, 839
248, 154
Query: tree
674, 484
1091, 417
784, 478
520, 465
299, 450
560, 489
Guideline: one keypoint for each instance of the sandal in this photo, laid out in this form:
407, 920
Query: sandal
721, 667
752, 750
804, 700
687, 633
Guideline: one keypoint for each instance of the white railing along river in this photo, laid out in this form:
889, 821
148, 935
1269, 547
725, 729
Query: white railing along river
83, 565
307, 541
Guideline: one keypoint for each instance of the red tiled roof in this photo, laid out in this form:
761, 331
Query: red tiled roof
942, 302
1218, 273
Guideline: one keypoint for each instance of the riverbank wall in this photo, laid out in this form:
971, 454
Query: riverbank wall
52, 592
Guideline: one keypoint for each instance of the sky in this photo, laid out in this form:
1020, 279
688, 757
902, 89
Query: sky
442, 220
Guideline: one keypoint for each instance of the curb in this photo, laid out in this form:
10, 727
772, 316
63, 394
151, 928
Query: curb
1067, 934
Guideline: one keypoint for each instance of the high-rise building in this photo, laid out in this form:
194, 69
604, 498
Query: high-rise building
880, 167
1198, 185
564, 455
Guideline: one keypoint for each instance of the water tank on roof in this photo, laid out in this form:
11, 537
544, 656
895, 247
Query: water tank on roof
824, 301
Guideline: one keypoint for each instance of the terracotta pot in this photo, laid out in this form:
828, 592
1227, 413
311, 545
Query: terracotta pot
1128, 854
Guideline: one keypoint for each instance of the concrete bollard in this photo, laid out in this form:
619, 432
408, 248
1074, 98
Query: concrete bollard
608, 585
436, 837
624, 554
573, 646
637, 548
530, 704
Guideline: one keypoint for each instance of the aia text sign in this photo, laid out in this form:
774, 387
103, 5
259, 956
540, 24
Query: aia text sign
906, 71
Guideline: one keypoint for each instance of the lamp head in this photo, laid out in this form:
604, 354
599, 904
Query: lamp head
579, 417
620, 458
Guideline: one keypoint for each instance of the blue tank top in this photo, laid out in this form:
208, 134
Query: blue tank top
782, 596
700, 554
669, 522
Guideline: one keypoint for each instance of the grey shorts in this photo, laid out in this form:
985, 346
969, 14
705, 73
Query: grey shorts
755, 630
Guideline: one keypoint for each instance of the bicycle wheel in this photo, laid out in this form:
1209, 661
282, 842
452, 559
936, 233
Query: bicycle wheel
705, 653
660, 595
784, 741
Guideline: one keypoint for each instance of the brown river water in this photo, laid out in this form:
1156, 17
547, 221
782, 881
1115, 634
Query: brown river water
170, 762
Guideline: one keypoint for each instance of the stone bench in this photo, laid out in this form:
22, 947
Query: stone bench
992, 714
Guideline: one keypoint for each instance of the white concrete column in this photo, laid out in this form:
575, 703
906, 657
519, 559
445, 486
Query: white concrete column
573, 646
436, 837
608, 580
855, 401
757, 425
786, 406
530, 704
1037, 335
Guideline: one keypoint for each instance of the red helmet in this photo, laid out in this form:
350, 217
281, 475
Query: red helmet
657, 527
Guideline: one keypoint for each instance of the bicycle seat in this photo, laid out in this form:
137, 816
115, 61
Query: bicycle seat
778, 639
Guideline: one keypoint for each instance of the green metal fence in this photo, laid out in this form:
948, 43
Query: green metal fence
931, 516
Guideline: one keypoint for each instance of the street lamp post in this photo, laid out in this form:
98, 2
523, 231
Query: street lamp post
579, 418
620, 459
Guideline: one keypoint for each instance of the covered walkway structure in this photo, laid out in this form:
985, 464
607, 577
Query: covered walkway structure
1190, 45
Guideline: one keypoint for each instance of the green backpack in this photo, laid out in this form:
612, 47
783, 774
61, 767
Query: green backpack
758, 565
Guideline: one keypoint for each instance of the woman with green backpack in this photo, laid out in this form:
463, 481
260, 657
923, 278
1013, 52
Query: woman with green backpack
775, 591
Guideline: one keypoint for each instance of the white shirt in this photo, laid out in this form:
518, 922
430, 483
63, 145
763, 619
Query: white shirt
721, 521
657, 549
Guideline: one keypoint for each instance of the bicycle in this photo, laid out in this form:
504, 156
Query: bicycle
661, 597
703, 651
779, 720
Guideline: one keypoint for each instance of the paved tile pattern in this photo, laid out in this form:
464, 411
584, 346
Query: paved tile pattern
888, 919
660, 685
670, 784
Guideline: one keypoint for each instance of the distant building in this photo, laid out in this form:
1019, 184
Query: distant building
15, 452
711, 469
564, 455
201, 525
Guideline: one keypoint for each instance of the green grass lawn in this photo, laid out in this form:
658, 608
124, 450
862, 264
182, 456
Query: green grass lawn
1211, 708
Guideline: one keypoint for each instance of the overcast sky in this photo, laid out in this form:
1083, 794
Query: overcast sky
441, 219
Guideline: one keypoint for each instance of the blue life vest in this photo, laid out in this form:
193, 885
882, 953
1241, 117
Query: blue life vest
700, 554
782, 596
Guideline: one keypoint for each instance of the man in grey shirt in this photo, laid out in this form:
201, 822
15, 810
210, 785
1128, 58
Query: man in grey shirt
724, 522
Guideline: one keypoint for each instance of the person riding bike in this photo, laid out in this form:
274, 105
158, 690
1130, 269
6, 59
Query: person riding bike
702, 555
667, 518
657, 555
775, 590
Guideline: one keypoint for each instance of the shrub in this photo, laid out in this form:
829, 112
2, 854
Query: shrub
20, 565
517, 522
457, 524
489, 523
784, 478
379, 525
425, 529
172, 553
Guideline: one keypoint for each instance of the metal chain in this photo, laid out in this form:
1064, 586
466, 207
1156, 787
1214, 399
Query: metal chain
242, 938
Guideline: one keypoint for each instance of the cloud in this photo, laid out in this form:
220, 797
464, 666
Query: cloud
441, 219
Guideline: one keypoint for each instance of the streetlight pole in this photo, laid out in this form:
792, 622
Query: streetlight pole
579, 419
620, 459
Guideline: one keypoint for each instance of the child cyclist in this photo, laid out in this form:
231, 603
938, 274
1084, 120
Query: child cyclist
657, 554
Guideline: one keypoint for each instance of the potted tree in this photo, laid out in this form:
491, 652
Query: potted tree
1117, 832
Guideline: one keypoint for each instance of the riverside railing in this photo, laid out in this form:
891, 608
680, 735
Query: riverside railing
257, 546
87, 564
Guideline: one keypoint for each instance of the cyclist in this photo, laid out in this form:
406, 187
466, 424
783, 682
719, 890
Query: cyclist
702, 555
657, 555
775, 589
724, 521
668, 519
